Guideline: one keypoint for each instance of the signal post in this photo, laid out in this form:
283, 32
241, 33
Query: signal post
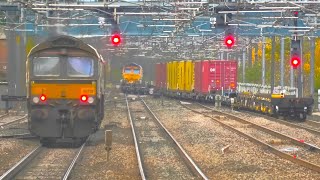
296, 58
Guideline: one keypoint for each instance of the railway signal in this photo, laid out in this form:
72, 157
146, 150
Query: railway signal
295, 53
116, 39
229, 39
295, 62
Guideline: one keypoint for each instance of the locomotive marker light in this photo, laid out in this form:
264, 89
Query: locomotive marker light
43, 97
84, 98
108, 142
35, 100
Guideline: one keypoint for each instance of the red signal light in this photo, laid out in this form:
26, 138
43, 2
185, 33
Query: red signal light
84, 98
43, 97
116, 39
295, 62
229, 41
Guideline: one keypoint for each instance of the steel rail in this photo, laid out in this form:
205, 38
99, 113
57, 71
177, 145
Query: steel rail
4, 115
281, 154
73, 162
11, 173
270, 131
196, 170
14, 121
292, 124
313, 123
141, 169
19, 136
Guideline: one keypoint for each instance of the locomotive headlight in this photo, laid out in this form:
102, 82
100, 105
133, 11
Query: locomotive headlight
35, 100
90, 100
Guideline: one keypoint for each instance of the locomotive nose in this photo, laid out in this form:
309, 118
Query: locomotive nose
85, 114
39, 114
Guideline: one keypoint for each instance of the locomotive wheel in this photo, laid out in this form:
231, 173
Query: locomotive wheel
302, 117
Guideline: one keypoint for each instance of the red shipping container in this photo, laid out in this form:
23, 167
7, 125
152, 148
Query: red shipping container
161, 76
3, 56
215, 75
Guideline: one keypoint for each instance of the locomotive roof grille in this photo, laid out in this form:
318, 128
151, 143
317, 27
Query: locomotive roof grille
64, 42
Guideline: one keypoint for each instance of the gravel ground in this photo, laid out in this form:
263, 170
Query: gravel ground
158, 154
10, 118
204, 140
122, 162
279, 144
50, 163
300, 134
13, 150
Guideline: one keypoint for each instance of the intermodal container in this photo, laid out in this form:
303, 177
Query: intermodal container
3, 56
189, 76
215, 75
180, 76
161, 76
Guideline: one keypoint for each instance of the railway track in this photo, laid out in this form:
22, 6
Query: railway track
4, 115
14, 127
309, 125
284, 146
5, 123
45, 163
159, 155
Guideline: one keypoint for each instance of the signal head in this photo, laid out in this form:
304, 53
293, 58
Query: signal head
295, 62
229, 41
116, 39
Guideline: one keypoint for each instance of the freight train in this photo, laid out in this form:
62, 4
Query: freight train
280, 104
200, 80
132, 76
204, 80
64, 90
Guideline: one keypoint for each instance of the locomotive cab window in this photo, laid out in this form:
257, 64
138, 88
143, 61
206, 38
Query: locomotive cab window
136, 71
127, 70
80, 67
46, 66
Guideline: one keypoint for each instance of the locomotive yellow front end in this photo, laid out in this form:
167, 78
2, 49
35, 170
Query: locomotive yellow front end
65, 90
131, 82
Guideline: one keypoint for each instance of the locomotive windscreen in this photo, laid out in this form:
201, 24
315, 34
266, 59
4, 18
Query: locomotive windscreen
46, 66
56, 66
127, 70
80, 67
